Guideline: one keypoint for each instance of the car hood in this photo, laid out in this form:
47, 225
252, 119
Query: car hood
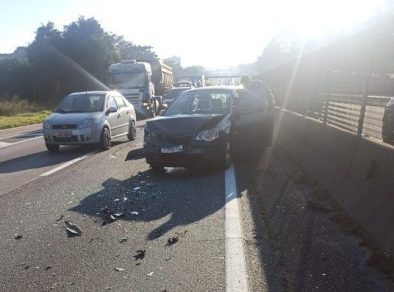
180, 125
71, 118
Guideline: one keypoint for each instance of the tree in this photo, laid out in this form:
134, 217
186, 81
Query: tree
63, 61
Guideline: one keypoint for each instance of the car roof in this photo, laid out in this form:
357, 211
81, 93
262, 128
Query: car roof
222, 87
95, 92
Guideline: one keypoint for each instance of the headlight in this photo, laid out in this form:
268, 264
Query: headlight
208, 135
46, 125
85, 124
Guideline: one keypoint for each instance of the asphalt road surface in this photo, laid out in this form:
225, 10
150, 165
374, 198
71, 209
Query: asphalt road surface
193, 231
40, 190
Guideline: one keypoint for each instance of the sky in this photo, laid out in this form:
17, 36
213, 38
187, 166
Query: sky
211, 33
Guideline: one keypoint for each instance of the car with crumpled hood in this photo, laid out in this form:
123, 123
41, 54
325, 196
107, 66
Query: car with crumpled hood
203, 126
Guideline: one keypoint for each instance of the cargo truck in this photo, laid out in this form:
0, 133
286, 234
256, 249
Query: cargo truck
143, 83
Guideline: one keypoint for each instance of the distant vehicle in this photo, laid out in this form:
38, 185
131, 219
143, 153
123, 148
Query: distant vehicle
142, 83
92, 117
186, 84
173, 93
203, 125
388, 123
197, 80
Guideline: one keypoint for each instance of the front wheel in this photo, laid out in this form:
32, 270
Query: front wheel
52, 148
156, 167
105, 141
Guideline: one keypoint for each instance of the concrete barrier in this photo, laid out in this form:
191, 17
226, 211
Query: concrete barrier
357, 172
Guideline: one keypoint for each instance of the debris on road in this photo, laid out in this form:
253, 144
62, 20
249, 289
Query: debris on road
119, 269
140, 255
172, 240
116, 200
134, 213
60, 218
157, 233
107, 216
168, 258
150, 274
17, 236
48, 268
72, 230
136, 188
119, 215
181, 234
122, 240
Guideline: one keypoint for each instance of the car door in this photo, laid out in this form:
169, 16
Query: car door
113, 118
124, 115
252, 121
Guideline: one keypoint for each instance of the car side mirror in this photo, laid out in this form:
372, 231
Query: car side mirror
112, 110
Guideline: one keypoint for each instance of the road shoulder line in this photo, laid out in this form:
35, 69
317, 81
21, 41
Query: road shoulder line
236, 276
66, 164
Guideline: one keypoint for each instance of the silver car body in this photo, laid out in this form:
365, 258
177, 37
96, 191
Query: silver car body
64, 128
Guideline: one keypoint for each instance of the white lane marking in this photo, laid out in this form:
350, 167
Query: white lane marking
68, 163
236, 277
3, 144
6, 144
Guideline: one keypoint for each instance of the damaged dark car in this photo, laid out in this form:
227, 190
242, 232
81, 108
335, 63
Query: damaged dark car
203, 126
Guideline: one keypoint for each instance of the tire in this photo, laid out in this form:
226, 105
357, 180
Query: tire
156, 167
105, 140
132, 135
52, 148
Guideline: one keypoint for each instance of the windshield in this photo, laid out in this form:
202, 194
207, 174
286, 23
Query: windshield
128, 80
201, 102
173, 93
82, 103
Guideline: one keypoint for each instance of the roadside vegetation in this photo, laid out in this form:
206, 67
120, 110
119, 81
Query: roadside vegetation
16, 112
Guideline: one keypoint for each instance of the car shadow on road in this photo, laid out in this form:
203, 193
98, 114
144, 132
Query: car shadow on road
177, 198
42, 159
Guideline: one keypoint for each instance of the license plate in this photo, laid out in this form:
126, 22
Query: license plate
63, 134
172, 149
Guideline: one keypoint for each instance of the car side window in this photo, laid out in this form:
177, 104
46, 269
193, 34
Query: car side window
111, 103
119, 101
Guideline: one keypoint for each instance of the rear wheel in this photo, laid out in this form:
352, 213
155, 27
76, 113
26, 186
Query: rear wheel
132, 135
105, 141
52, 148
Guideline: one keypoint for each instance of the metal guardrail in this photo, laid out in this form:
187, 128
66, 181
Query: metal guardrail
345, 111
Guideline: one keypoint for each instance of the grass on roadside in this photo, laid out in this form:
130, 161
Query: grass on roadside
23, 119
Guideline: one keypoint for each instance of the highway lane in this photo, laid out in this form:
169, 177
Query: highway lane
24, 157
189, 206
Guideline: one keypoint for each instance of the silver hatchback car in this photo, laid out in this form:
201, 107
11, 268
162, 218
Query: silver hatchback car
91, 117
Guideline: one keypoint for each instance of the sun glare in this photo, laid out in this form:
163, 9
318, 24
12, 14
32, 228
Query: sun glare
310, 17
